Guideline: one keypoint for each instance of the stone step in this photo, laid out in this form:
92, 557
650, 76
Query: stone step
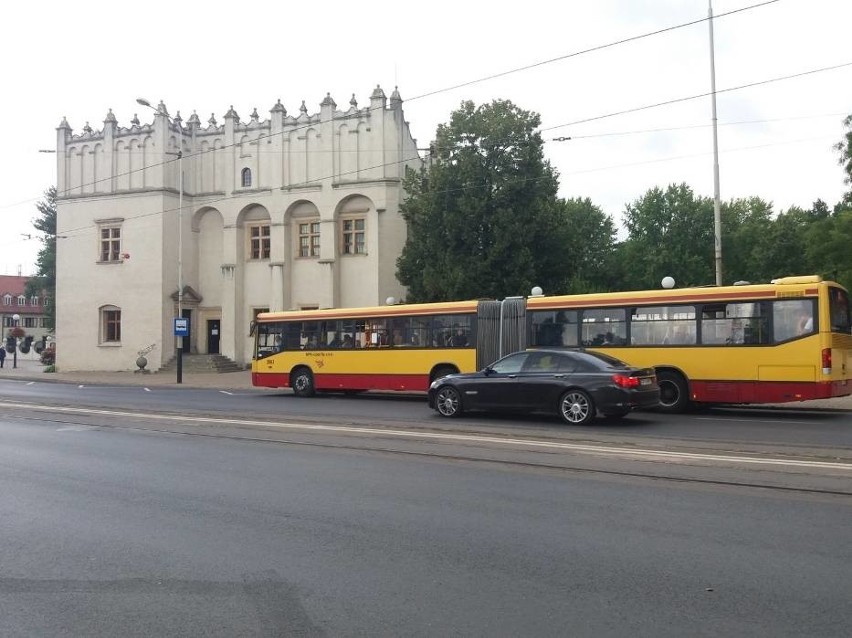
203, 363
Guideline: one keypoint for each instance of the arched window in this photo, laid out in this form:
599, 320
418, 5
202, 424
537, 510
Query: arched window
7, 299
246, 178
22, 301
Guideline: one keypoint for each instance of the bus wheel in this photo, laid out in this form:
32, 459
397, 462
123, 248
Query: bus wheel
674, 397
302, 382
576, 407
442, 372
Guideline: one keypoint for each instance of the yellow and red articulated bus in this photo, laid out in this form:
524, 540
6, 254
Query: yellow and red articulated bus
400, 347
788, 340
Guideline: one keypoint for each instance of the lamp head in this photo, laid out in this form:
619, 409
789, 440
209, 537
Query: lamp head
143, 102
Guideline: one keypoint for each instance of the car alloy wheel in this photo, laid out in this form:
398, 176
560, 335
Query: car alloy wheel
448, 401
576, 407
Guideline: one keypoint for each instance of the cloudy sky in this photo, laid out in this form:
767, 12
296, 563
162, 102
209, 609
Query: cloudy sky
80, 59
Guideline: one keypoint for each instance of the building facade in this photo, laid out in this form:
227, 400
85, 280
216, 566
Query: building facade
29, 310
296, 211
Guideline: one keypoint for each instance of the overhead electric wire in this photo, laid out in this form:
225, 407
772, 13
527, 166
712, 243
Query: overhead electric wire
453, 87
695, 97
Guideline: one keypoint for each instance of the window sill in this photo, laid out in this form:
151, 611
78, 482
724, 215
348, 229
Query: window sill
110, 344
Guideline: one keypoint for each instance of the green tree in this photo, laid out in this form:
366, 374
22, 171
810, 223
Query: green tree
45, 277
827, 247
746, 223
483, 218
669, 233
586, 236
845, 149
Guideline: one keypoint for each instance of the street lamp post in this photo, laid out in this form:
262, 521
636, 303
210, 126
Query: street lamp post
179, 340
15, 318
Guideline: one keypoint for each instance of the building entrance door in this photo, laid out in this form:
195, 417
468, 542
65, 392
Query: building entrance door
213, 336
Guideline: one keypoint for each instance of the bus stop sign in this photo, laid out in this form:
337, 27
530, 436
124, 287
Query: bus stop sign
181, 327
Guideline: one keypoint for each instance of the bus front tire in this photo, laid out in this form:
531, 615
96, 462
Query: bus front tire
303, 383
674, 396
442, 371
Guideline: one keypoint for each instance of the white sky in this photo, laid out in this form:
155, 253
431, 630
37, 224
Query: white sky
80, 59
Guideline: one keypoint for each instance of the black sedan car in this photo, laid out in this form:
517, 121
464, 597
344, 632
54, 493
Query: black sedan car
576, 384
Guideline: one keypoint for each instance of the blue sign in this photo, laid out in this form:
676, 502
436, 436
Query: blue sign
181, 327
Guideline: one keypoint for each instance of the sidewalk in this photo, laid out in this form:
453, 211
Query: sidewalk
34, 371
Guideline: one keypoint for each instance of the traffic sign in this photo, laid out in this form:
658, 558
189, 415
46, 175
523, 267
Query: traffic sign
181, 327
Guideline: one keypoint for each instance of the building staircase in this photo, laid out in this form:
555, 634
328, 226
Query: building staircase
203, 364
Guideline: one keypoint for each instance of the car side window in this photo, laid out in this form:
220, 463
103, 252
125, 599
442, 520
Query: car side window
540, 362
511, 364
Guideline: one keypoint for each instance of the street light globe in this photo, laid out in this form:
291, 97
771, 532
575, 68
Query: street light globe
536, 291
16, 317
668, 282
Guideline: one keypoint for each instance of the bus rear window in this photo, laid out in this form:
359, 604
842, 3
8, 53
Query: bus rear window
838, 310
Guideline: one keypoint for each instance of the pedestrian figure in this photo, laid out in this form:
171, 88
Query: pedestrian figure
2, 356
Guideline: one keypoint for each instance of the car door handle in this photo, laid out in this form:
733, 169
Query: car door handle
558, 376
512, 376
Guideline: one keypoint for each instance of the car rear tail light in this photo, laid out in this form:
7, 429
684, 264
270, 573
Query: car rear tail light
624, 381
826, 360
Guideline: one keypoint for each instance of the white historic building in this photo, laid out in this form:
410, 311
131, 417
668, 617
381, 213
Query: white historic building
297, 211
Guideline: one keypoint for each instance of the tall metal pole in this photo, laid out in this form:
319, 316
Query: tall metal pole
180, 252
717, 204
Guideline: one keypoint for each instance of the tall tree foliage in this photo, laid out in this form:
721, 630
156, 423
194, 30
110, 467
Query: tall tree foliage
670, 232
45, 277
844, 147
483, 219
586, 238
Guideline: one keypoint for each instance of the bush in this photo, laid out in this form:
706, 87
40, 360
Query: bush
49, 369
48, 357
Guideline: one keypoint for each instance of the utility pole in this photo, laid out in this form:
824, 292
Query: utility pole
717, 204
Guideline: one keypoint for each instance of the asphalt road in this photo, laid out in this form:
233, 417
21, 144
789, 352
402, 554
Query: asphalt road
748, 427
179, 511
110, 531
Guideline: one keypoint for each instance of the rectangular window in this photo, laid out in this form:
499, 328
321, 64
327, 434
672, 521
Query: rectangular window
838, 310
110, 244
30, 322
354, 237
111, 326
663, 325
604, 327
259, 241
554, 328
34, 300
736, 323
309, 239
792, 318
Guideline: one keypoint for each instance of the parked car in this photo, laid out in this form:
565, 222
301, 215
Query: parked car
576, 384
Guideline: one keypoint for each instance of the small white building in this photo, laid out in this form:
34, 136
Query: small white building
297, 211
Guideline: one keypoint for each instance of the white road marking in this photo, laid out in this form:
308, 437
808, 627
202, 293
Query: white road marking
468, 438
147, 389
31, 383
226, 392
721, 418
